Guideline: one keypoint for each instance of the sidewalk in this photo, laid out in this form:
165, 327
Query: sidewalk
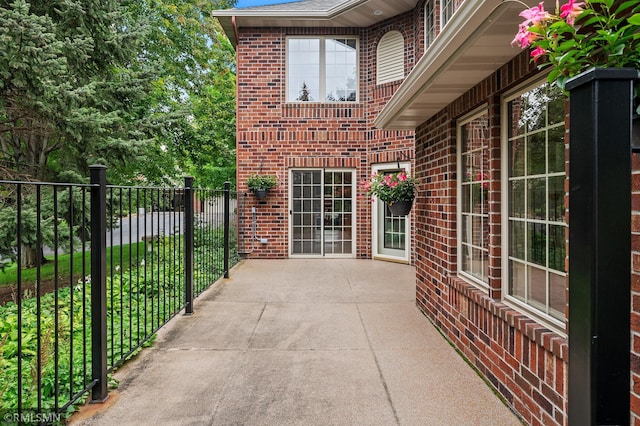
302, 342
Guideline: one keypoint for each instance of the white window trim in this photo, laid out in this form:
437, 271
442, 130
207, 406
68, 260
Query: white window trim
376, 168
427, 36
443, 21
322, 88
552, 323
482, 110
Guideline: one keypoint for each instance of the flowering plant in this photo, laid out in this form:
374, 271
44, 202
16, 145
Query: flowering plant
390, 187
581, 35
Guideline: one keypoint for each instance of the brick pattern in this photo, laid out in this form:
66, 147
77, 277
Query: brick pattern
635, 290
525, 362
274, 136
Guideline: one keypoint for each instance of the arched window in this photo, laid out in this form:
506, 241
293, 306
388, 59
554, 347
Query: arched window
390, 57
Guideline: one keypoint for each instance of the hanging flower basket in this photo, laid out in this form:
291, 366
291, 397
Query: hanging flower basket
397, 190
260, 194
261, 184
400, 207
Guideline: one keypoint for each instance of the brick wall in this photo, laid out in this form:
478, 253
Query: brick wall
635, 290
274, 136
525, 362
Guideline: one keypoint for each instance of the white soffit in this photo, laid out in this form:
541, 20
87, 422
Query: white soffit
475, 43
313, 13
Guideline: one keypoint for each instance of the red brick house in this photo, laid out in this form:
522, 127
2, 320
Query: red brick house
330, 91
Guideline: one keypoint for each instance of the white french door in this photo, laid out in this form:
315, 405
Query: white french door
321, 208
391, 233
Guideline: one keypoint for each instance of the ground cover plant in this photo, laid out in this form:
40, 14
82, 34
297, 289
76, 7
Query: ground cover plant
45, 343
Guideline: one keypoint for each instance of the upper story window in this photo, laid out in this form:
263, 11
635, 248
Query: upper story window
473, 187
535, 221
429, 23
448, 7
390, 57
322, 69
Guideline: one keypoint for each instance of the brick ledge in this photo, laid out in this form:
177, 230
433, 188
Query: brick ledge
536, 332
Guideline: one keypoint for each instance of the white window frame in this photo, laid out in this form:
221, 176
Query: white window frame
558, 326
322, 75
375, 217
444, 19
429, 23
354, 214
483, 110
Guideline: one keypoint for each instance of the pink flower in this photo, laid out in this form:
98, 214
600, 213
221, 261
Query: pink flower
524, 37
571, 11
537, 53
534, 15
402, 176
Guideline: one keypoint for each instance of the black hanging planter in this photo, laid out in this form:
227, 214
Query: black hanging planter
400, 207
601, 104
261, 194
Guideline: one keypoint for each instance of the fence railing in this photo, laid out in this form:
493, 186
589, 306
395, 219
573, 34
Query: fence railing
88, 275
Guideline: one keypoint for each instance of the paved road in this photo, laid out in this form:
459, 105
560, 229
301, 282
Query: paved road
132, 229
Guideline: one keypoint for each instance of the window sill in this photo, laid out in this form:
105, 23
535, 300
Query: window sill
532, 328
323, 110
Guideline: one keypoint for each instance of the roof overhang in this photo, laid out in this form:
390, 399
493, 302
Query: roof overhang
350, 13
473, 45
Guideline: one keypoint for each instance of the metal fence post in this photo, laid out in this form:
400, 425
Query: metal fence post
227, 216
188, 243
99, 282
601, 104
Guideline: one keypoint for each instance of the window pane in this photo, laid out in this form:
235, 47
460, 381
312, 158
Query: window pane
516, 198
555, 104
537, 243
516, 157
517, 121
336, 58
537, 198
516, 239
303, 70
340, 69
517, 280
536, 150
537, 287
556, 150
557, 247
556, 199
534, 111
557, 295
474, 191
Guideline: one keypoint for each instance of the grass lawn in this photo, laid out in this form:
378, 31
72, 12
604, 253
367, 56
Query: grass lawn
120, 255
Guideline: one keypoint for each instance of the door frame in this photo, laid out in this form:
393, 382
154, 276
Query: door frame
354, 209
375, 217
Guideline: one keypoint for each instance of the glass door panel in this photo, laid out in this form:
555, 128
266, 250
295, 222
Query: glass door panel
390, 231
322, 210
306, 212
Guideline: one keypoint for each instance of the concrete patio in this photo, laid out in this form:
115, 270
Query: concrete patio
302, 342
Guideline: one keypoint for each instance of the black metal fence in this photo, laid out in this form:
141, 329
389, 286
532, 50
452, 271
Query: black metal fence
89, 273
